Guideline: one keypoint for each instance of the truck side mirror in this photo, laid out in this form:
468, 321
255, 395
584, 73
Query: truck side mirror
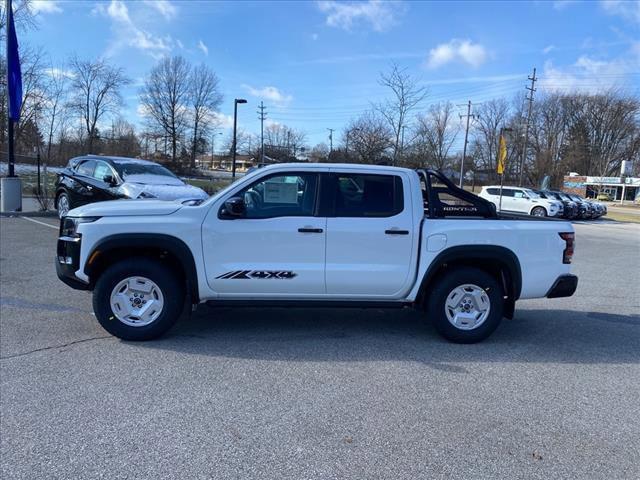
235, 207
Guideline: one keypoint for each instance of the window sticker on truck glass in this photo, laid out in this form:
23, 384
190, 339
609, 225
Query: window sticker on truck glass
280, 192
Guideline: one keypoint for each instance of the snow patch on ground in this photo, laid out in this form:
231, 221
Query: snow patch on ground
24, 169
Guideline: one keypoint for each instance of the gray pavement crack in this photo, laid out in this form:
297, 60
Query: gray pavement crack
53, 347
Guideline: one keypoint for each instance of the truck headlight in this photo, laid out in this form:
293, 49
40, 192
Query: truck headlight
69, 225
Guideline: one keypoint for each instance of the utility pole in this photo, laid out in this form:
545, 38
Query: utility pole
469, 116
330, 139
526, 128
262, 115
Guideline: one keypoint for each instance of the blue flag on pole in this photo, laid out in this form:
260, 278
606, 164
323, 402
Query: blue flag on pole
13, 70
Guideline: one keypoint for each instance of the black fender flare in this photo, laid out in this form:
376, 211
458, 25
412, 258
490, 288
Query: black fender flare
463, 254
138, 241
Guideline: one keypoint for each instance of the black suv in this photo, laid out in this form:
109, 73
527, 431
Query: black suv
571, 210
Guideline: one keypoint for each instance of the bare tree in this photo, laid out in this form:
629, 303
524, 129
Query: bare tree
547, 131
283, 142
369, 138
435, 134
33, 95
205, 99
54, 107
165, 96
96, 92
23, 16
492, 116
122, 139
406, 95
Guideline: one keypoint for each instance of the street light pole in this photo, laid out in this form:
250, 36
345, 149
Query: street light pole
235, 130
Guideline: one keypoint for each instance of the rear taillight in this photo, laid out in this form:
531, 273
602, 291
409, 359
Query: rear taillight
570, 240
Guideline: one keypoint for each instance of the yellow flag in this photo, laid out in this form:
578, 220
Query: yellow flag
502, 155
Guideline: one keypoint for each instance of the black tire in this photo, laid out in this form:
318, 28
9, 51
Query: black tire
445, 285
169, 284
539, 212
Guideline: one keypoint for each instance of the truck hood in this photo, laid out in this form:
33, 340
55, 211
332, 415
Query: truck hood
121, 208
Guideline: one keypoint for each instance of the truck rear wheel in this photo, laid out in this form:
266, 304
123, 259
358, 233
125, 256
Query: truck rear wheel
466, 305
138, 299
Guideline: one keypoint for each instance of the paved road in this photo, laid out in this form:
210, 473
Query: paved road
287, 393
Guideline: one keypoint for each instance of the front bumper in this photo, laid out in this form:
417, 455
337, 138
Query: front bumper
68, 262
564, 286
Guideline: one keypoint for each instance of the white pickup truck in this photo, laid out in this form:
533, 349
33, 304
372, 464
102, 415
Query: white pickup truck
315, 235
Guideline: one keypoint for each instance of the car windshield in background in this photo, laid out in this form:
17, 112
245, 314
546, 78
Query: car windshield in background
127, 169
533, 194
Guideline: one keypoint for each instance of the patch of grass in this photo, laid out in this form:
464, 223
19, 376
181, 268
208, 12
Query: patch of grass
30, 181
210, 186
623, 217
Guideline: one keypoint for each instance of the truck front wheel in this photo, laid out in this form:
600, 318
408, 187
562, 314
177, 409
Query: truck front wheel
466, 305
138, 299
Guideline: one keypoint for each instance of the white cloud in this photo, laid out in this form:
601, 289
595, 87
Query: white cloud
562, 4
222, 120
272, 94
314, 36
180, 44
58, 72
203, 47
546, 50
627, 9
589, 75
380, 15
45, 6
269, 122
164, 7
129, 34
464, 51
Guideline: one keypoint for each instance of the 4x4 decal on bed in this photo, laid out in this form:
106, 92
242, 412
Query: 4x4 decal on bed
257, 274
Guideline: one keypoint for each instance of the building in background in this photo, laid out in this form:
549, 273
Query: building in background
620, 188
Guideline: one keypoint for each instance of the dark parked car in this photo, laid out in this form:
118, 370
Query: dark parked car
94, 178
570, 207
587, 210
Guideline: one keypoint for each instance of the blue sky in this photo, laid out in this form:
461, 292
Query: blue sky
316, 64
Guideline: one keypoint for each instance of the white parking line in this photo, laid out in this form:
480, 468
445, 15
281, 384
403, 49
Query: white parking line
41, 223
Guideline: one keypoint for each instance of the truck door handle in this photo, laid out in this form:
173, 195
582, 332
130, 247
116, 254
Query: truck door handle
310, 230
396, 232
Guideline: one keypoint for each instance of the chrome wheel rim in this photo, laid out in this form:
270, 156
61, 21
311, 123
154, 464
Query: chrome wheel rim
467, 306
137, 301
538, 212
63, 206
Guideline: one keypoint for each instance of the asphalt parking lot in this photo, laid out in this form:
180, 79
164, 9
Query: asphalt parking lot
290, 393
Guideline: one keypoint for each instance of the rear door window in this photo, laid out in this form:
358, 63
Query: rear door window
358, 195
86, 168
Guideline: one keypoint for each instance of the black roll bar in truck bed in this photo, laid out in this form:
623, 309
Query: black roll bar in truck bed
463, 203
